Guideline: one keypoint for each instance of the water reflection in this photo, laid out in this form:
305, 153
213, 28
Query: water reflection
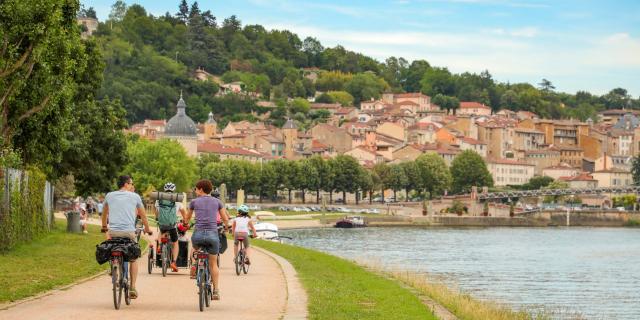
593, 271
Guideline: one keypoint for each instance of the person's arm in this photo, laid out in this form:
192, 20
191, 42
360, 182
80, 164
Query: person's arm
183, 214
255, 233
143, 216
155, 212
224, 215
189, 214
105, 217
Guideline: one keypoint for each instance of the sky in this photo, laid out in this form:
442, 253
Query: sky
576, 44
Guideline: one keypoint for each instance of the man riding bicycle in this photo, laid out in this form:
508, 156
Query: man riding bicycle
166, 216
121, 209
241, 226
207, 209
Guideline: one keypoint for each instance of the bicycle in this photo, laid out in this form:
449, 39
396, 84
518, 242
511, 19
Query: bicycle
166, 253
241, 258
120, 278
203, 278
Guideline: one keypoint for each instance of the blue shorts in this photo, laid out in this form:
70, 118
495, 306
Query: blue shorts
207, 240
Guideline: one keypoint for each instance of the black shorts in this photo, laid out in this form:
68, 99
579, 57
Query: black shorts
172, 231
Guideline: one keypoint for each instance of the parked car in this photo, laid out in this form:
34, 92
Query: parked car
343, 209
339, 200
377, 199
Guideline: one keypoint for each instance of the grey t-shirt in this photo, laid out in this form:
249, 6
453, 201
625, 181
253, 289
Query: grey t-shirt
123, 210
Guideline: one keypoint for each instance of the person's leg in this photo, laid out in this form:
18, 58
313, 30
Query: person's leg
133, 269
173, 234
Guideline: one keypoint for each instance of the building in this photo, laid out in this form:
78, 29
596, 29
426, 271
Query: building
290, 133
510, 172
182, 129
583, 180
467, 143
613, 177
561, 170
225, 152
571, 155
527, 139
541, 159
337, 139
473, 109
88, 26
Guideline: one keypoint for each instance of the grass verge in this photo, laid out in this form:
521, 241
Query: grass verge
462, 305
339, 289
632, 223
56, 259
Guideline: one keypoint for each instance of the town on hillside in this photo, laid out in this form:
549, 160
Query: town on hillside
399, 127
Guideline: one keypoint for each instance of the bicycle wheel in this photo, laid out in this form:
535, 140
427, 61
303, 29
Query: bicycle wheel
201, 289
126, 283
245, 266
165, 256
238, 261
150, 261
207, 293
115, 280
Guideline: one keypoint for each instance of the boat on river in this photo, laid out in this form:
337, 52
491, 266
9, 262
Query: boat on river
351, 222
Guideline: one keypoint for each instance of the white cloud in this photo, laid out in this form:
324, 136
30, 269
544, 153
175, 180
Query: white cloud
619, 50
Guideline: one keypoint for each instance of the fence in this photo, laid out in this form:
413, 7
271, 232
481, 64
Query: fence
26, 206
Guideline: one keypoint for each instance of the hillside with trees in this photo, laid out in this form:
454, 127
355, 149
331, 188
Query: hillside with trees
150, 59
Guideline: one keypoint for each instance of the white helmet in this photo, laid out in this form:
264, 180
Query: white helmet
169, 187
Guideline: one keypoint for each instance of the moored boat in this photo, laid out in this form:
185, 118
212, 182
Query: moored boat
350, 222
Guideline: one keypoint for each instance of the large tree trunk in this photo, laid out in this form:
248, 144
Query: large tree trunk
394, 196
344, 197
357, 196
303, 200
370, 196
382, 195
331, 197
318, 196
289, 196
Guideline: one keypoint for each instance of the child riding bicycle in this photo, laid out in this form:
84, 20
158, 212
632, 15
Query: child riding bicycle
166, 216
241, 226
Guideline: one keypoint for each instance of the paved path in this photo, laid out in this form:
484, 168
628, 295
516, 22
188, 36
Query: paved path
261, 294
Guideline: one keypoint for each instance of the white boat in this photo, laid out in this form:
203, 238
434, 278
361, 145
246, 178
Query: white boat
266, 231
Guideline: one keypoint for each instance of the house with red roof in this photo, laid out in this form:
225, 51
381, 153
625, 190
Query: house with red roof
473, 108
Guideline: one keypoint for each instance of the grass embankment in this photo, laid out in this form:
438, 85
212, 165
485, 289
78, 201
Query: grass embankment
56, 259
632, 223
339, 289
462, 305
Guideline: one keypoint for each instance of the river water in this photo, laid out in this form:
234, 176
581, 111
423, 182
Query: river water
593, 272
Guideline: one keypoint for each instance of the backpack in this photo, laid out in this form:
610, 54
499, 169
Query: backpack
167, 213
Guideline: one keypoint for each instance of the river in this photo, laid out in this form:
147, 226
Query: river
594, 272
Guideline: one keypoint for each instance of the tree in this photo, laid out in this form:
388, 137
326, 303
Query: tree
118, 10
195, 10
365, 183
183, 12
346, 174
546, 85
41, 53
635, 170
152, 164
413, 75
204, 159
342, 97
536, 183
446, 102
325, 175
364, 86
434, 175
310, 179
412, 174
397, 179
437, 80
556, 185
312, 48
383, 175
469, 169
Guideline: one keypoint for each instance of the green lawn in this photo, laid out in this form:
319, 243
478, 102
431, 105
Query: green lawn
54, 260
339, 289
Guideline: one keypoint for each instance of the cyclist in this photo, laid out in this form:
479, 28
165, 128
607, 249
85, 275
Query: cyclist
241, 226
207, 209
166, 216
120, 209
223, 238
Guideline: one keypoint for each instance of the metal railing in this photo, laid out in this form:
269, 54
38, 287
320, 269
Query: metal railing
556, 192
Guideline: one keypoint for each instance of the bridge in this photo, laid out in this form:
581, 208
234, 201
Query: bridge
555, 192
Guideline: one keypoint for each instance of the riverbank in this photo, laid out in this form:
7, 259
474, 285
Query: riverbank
340, 289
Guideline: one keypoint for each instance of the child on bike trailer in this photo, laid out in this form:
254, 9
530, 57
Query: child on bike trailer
241, 225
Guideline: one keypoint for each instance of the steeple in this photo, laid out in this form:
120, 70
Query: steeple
211, 119
181, 105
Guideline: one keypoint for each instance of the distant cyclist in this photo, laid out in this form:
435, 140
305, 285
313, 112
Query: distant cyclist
166, 211
120, 209
241, 226
207, 209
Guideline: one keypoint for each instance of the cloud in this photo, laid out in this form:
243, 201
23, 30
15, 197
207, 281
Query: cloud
619, 50
527, 32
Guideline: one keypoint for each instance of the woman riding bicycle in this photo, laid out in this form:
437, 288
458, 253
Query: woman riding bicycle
241, 225
205, 236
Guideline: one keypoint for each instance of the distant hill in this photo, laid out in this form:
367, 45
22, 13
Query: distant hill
150, 59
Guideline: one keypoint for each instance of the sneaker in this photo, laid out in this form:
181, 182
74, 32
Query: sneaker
133, 294
192, 274
247, 262
173, 266
215, 295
